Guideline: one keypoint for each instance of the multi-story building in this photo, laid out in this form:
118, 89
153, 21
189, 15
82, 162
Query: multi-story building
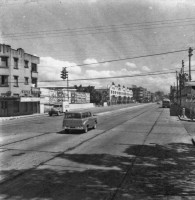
117, 94
18, 82
139, 93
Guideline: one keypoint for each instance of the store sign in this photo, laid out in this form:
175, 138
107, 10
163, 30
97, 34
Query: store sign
29, 99
57, 96
25, 91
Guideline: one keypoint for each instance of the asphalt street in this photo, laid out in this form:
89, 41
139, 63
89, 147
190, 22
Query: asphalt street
136, 152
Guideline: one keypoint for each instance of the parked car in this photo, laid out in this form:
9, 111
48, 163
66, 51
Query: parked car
56, 110
79, 121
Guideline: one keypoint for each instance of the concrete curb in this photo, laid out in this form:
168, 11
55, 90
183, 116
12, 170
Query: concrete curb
186, 119
38, 114
26, 116
21, 116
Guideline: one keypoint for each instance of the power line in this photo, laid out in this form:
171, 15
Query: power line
113, 77
80, 56
89, 33
119, 47
155, 73
135, 24
82, 31
130, 58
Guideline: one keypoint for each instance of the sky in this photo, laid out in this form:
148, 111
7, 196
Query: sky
102, 39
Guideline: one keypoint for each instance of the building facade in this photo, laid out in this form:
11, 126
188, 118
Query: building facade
117, 94
56, 94
139, 94
19, 94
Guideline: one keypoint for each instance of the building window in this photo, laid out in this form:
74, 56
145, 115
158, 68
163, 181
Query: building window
4, 61
15, 81
34, 67
26, 63
34, 82
15, 63
26, 81
3, 81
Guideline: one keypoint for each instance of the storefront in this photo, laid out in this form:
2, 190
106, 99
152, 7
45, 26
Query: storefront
15, 106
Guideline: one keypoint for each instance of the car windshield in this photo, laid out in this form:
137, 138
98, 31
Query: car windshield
57, 106
73, 115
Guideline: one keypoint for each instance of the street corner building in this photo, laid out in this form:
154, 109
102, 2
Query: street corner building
19, 94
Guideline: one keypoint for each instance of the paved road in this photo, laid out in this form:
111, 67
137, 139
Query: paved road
135, 153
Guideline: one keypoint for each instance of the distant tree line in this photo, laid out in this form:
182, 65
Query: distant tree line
96, 96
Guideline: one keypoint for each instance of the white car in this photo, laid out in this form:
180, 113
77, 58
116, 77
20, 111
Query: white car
56, 110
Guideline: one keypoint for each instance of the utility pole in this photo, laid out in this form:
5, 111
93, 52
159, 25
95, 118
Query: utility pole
67, 85
190, 54
182, 74
177, 85
183, 66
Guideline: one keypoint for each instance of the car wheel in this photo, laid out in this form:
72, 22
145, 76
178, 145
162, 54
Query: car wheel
95, 126
50, 114
86, 129
66, 131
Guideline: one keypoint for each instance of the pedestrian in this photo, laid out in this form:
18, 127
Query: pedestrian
183, 112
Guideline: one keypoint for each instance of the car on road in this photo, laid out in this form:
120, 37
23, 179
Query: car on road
56, 110
79, 121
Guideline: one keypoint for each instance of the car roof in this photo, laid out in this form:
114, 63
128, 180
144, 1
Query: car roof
80, 112
166, 99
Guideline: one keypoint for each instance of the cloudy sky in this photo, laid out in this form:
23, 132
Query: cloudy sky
102, 38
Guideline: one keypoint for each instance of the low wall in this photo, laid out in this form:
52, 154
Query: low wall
81, 106
46, 108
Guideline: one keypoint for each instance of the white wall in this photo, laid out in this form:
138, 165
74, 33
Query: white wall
46, 108
81, 106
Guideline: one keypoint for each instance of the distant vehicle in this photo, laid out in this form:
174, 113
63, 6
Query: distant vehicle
59, 108
79, 121
56, 110
166, 103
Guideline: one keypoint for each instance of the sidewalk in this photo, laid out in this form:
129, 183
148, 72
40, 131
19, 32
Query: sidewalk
21, 116
77, 109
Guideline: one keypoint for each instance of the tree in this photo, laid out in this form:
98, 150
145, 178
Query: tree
159, 95
95, 96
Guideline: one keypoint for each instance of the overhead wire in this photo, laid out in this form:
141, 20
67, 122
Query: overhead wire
129, 58
74, 32
122, 76
82, 55
100, 27
113, 77
169, 71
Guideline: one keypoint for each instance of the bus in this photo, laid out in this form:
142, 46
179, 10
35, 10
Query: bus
166, 103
